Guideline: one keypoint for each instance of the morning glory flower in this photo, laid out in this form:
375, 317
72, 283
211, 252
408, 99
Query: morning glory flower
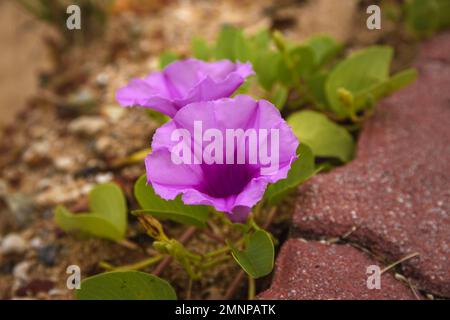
183, 82
221, 153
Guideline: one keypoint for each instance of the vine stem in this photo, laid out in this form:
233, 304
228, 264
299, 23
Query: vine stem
215, 262
134, 266
251, 288
217, 252
238, 279
412, 255
189, 290
168, 260
222, 250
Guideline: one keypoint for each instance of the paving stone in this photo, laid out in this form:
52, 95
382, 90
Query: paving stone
397, 190
315, 270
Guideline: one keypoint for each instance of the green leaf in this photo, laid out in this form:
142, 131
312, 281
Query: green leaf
298, 63
266, 65
108, 201
324, 48
261, 40
125, 285
225, 43
201, 49
243, 89
424, 18
356, 74
316, 85
167, 58
232, 45
257, 258
285, 75
324, 137
301, 170
421, 16
303, 59
443, 15
86, 223
279, 97
385, 88
158, 117
108, 216
174, 210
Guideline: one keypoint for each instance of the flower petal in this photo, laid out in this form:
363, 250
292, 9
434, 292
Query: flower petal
169, 179
231, 188
184, 82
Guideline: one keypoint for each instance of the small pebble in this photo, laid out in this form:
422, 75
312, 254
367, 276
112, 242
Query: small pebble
48, 254
104, 177
37, 153
87, 125
13, 243
64, 163
20, 270
36, 243
102, 79
113, 112
103, 144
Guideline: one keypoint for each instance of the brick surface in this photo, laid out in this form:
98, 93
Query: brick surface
314, 270
397, 190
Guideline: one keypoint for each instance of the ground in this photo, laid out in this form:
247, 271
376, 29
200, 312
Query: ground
62, 137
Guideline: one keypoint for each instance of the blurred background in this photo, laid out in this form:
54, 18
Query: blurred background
62, 130
37, 43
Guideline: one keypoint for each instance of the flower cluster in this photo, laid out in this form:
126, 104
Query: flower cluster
216, 150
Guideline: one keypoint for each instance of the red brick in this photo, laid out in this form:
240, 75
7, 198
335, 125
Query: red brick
397, 190
314, 270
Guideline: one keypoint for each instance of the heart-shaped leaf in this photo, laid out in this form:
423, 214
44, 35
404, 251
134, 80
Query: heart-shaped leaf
298, 62
265, 64
424, 18
261, 40
257, 258
356, 74
125, 285
174, 210
324, 137
387, 87
324, 48
108, 216
301, 170
200, 49
279, 97
232, 45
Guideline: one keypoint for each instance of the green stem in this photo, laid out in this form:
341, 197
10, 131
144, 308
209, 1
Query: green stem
251, 288
224, 249
258, 208
215, 262
252, 223
134, 266
189, 290
217, 252
222, 218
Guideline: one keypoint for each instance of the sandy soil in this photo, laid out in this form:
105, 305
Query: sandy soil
43, 163
22, 57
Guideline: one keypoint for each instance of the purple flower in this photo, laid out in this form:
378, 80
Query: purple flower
221, 153
184, 82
